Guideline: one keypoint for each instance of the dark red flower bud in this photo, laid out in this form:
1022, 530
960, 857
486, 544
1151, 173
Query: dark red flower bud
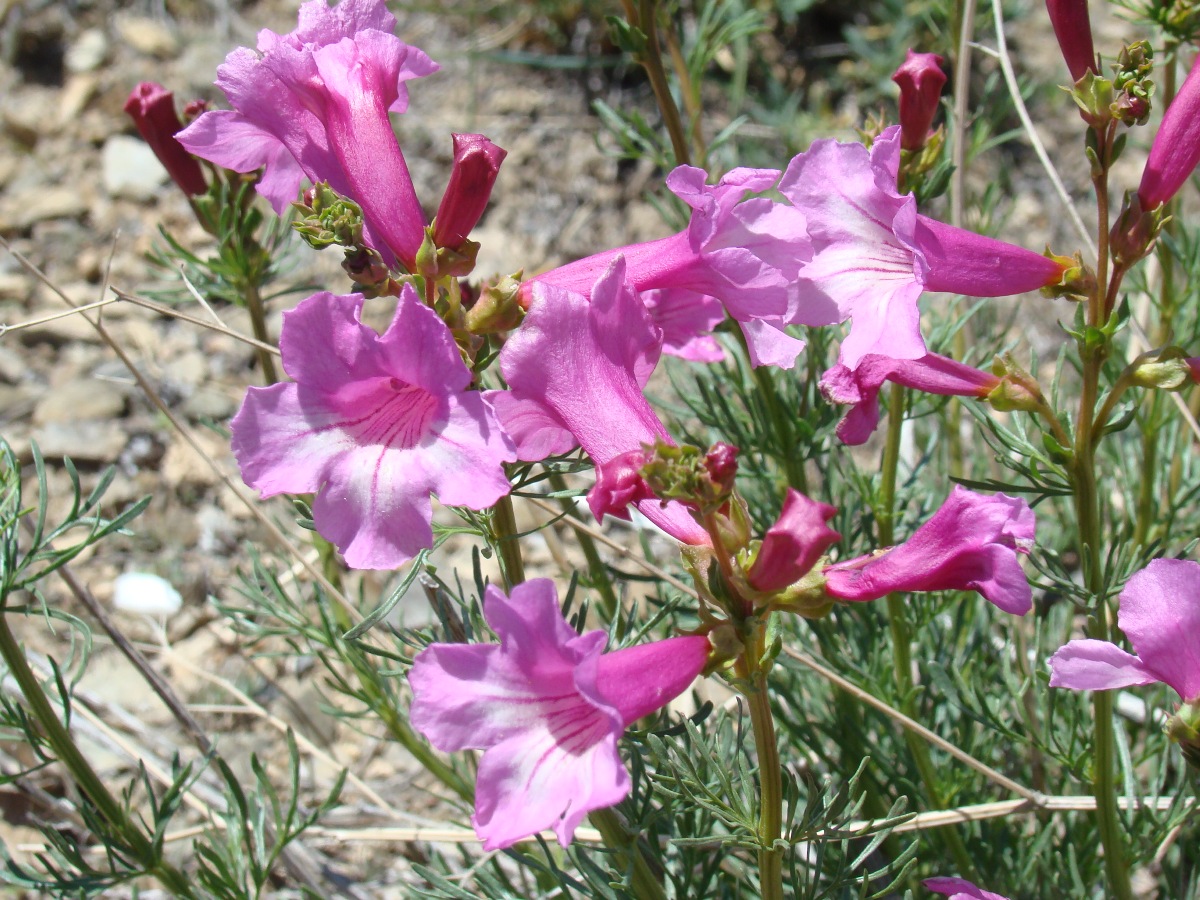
921, 80
1176, 148
1073, 28
476, 164
152, 108
722, 466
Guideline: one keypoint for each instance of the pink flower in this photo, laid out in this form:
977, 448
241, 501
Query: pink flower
744, 252
1073, 29
152, 108
873, 255
476, 165
1176, 148
792, 546
373, 425
547, 706
314, 104
575, 369
921, 79
1160, 614
959, 889
860, 387
970, 544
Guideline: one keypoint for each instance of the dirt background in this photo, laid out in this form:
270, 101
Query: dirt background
82, 199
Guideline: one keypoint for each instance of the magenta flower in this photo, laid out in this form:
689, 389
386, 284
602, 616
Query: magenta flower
860, 387
744, 252
373, 425
959, 889
476, 165
1073, 29
792, 546
152, 108
314, 104
547, 706
687, 320
873, 255
921, 79
575, 369
1176, 148
1159, 611
970, 544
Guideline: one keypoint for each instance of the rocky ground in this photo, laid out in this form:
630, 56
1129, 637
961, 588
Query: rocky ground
82, 198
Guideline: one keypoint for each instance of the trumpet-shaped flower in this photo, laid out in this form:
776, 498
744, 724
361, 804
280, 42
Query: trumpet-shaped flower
921, 79
745, 252
314, 104
874, 255
575, 369
547, 706
152, 108
792, 546
1159, 611
971, 543
959, 889
1176, 148
373, 425
860, 387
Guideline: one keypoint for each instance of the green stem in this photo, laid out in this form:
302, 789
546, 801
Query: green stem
770, 814
653, 64
1087, 511
601, 580
68, 753
642, 880
504, 532
258, 322
902, 635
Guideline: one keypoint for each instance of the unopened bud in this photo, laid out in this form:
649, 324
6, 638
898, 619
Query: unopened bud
152, 108
498, 308
1184, 729
1135, 230
682, 473
325, 217
476, 165
1017, 390
1165, 370
921, 79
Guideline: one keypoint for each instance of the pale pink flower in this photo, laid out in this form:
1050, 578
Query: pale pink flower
874, 255
860, 387
792, 546
547, 706
743, 251
920, 78
1159, 611
373, 425
970, 544
1176, 148
314, 104
959, 889
575, 370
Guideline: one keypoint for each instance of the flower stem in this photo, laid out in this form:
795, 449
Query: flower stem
901, 633
653, 64
645, 885
258, 321
68, 753
504, 532
766, 745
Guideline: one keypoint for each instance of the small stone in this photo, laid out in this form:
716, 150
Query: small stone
87, 53
95, 441
12, 366
76, 94
147, 36
130, 168
25, 208
209, 404
84, 398
183, 467
142, 592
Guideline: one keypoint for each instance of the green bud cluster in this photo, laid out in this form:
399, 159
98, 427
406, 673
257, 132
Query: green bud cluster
327, 218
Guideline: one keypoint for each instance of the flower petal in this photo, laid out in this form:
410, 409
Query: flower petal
1091, 665
1160, 614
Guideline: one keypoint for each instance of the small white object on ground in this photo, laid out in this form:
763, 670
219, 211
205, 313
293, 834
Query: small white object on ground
142, 592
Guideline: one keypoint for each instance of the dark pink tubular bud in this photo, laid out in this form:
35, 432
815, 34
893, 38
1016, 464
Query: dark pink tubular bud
921, 80
476, 164
152, 108
1176, 147
1073, 29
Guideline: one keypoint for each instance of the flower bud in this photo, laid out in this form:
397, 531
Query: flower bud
1073, 29
476, 164
152, 108
1184, 729
1166, 370
1176, 148
920, 78
1136, 228
497, 308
